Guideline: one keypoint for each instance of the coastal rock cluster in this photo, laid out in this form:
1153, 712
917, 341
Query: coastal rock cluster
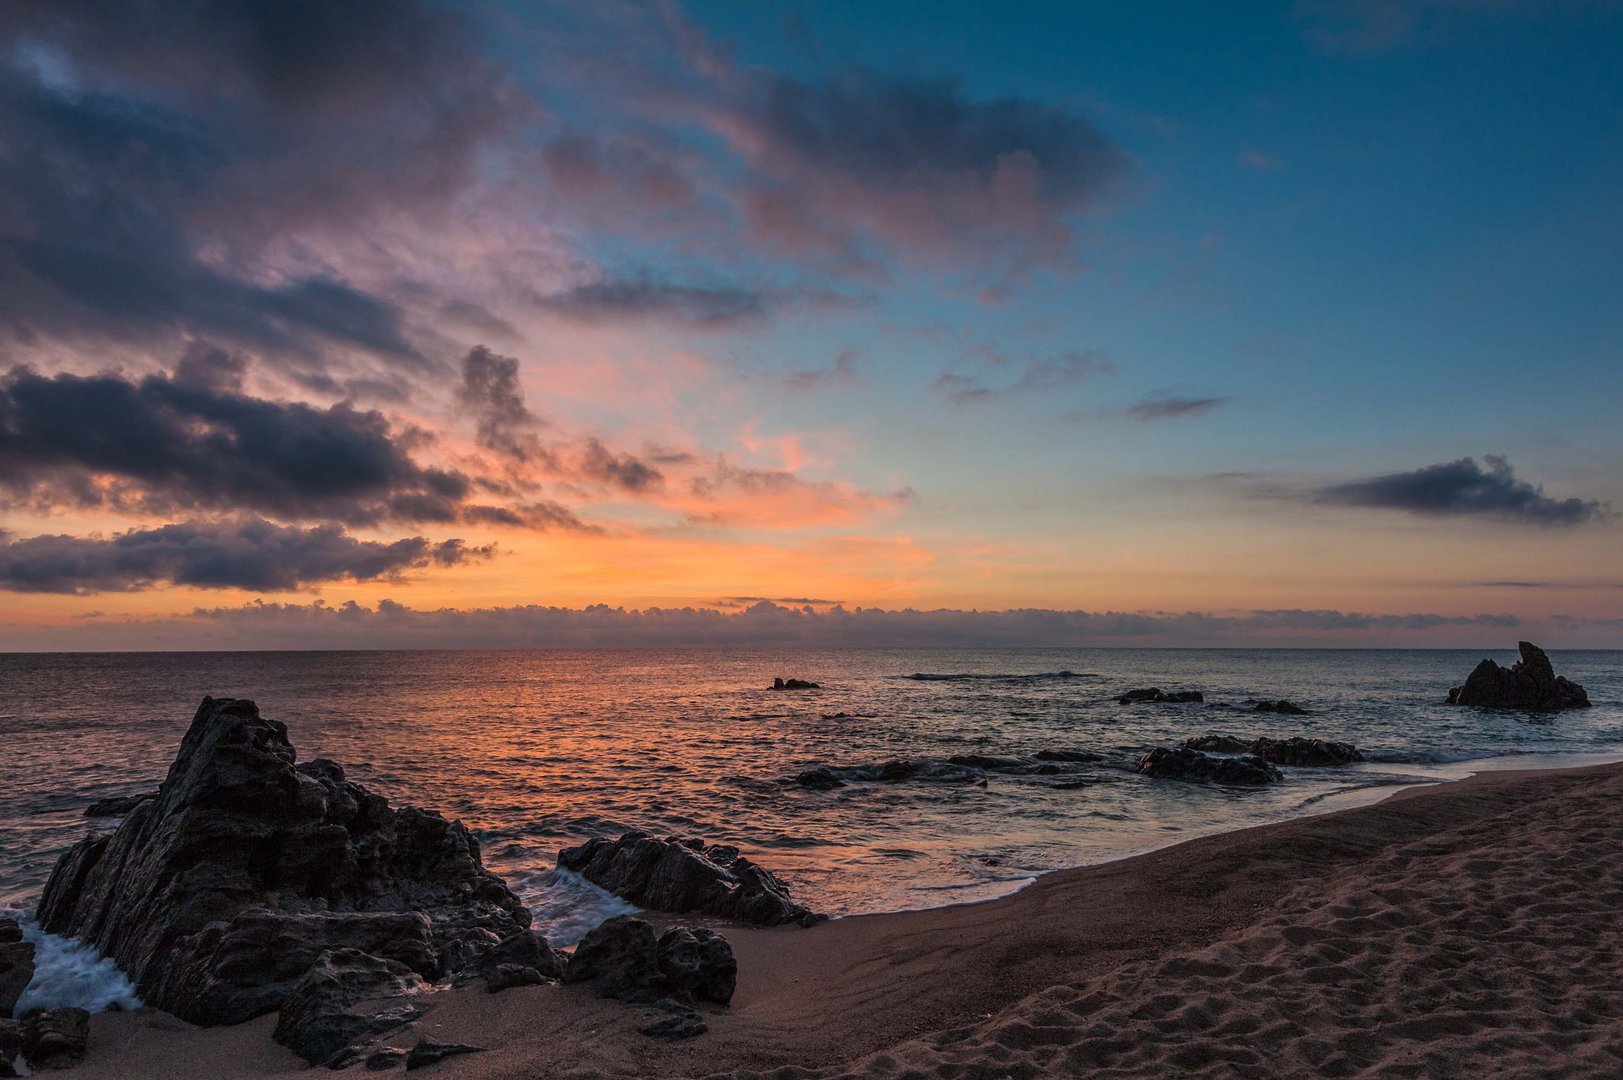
683, 874
1181, 763
1296, 750
795, 684
1159, 696
1531, 683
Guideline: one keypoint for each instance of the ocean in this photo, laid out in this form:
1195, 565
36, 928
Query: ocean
537, 750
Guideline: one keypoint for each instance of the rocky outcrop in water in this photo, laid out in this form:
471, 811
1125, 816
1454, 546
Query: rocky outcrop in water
248, 870
795, 684
1295, 751
1283, 707
1182, 763
118, 805
16, 965
1531, 683
1157, 695
685, 875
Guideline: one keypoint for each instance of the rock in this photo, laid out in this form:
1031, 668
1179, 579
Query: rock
1289, 708
679, 1021
1156, 694
696, 964
386, 1058
320, 1019
822, 778
427, 1053
55, 1038
952, 771
1180, 763
11, 1048
1531, 683
176, 895
507, 976
988, 763
794, 684
118, 805
1068, 755
1295, 751
685, 875
529, 948
16, 965
620, 958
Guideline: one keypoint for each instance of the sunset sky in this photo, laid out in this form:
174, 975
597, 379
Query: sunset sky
391, 323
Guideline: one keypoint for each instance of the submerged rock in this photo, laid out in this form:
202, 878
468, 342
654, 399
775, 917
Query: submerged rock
16, 965
1181, 763
685, 875
1296, 750
1068, 755
1531, 683
1287, 708
1156, 694
247, 867
795, 684
118, 805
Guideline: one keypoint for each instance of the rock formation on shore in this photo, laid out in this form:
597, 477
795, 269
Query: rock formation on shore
685, 875
52, 1039
16, 965
1295, 751
1531, 683
248, 871
1182, 763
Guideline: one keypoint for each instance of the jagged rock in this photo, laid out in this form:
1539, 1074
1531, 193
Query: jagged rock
1288, 708
324, 1014
53, 1039
1295, 751
507, 976
620, 958
1156, 694
1180, 763
238, 828
1068, 755
678, 1021
1531, 683
794, 684
697, 964
386, 1058
822, 777
685, 875
528, 949
118, 805
427, 1053
16, 965
11, 1048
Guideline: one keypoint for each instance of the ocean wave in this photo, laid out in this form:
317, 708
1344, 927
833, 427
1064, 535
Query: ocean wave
967, 676
71, 973
564, 905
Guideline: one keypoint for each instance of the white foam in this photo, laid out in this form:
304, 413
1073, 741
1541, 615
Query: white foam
68, 972
566, 905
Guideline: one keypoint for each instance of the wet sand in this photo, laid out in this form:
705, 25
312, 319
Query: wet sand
1470, 929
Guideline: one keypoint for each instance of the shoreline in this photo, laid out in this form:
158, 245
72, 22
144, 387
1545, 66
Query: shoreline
917, 984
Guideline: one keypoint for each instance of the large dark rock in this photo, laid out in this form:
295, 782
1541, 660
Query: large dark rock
685, 875
1295, 751
696, 964
346, 996
1283, 707
794, 684
1181, 763
16, 965
53, 1039
118, 805
620, 958
1531, 683
245, 852
1159, 696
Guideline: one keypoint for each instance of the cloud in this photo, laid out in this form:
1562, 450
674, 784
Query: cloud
623, 471
159, 445
763, 623
1036, 376
1170, 408
490, 390
634, 299
247, 553
158, 159
1463, 488
843, 370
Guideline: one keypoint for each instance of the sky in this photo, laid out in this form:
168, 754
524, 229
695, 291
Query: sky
393, 323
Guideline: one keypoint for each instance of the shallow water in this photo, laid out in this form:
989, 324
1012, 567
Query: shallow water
537, 750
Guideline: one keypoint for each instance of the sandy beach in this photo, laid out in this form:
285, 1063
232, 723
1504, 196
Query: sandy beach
1467, 929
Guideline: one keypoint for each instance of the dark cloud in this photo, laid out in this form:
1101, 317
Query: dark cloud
246, 553
543, 516
159, 445
702, 306
1464, 488
1036, 376
843, 370
153, 152
1170, 408
490, 390
623, 471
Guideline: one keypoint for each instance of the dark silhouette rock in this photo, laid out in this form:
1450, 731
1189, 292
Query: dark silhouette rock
11, 1047
1531, 683
428, 1053
696, 964
685, 875
1295, 751
53, 1039
335, 1004
953, 771
386, 1058
16, 965
507, 976
988, 763
244, 853
1287, 708
677, 1020
118, 805
794, 684
1156, 694
1181, 763
822, 778
620, 958
1068, 755
529, 949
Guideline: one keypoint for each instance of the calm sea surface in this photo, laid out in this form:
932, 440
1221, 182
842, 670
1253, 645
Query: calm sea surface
537, 750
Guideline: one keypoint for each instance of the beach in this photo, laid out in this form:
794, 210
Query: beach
1471, 928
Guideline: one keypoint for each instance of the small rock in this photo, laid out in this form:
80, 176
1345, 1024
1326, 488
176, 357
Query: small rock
16, 965
507, 976
386, 1058
55, 1038
1156, 694
529, 948
680, 1021
795, 684
1067, 755
821, 778
684, 874
1289, 708
318, 1021
697, 964
427, 1053
11, 1048
1180, 763
620, 958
